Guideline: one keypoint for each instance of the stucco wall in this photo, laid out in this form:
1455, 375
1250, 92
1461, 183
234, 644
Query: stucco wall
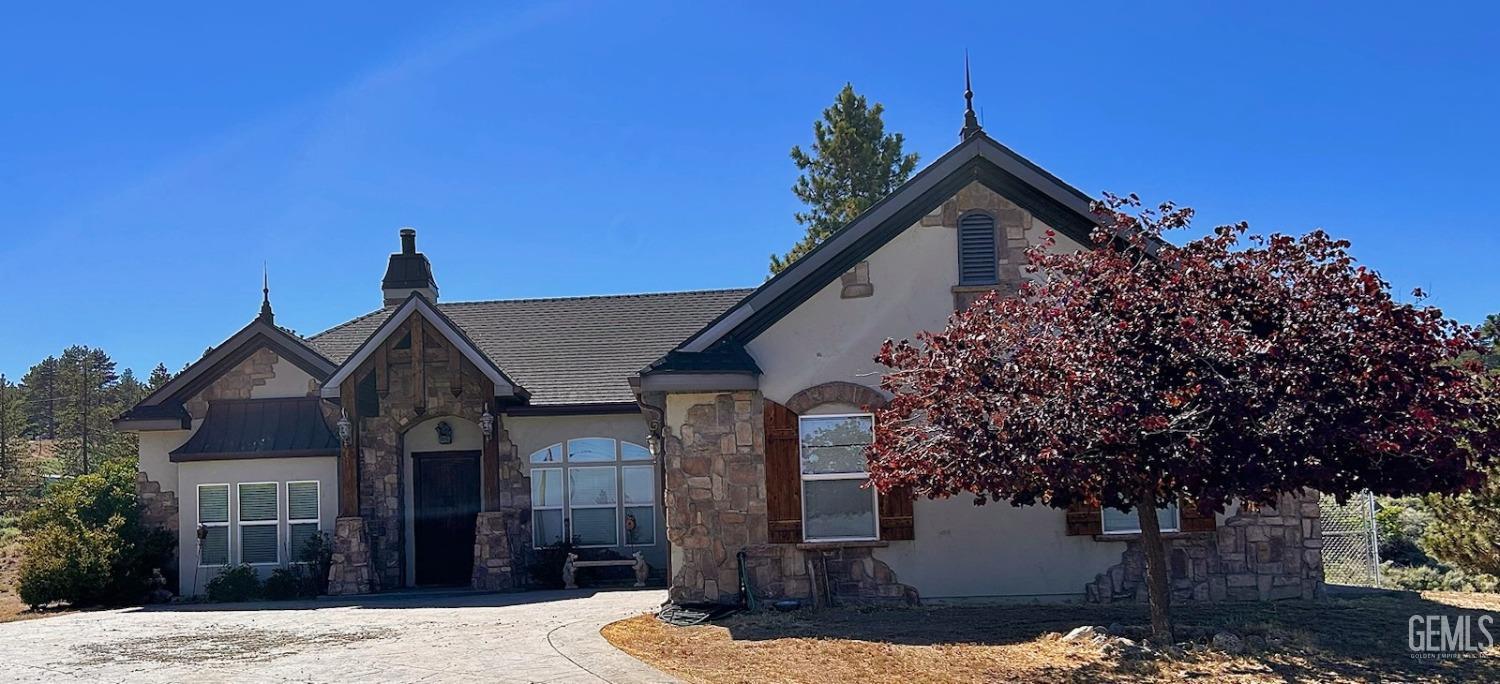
288, 381
830, 338
232, 472
960, 550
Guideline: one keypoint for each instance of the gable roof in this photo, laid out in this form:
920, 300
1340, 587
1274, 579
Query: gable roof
979, 158
163, 409
417, 304
564, 350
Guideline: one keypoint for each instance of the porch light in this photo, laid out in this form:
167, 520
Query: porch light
487, 424
346, 430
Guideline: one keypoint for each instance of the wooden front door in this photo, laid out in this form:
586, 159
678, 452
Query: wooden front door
445, 497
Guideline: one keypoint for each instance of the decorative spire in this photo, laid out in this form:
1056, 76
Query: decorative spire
265, 295
971, 121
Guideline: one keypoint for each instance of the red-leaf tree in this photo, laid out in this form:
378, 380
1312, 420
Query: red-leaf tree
1139, 373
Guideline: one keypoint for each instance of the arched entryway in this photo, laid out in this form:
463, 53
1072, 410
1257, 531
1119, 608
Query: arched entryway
443, 499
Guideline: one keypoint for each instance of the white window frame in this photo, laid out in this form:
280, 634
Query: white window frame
318, 487
616, 506
565, 466
561, 506
650, 468
241, 524
1176, 522
228, 519
804, 478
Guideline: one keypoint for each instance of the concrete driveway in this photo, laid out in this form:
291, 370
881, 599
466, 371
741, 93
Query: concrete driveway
549, 636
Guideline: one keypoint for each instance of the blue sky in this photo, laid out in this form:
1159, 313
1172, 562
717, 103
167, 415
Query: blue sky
153, 156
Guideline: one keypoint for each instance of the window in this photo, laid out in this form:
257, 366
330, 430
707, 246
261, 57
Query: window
302, 517
588, 494
978, 258
213, 515
593, 505
836, 504
1117, 521
547, 505
552, 454
260, 539
591, 450
639, 486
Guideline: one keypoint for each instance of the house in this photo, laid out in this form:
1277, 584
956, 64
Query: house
716, 433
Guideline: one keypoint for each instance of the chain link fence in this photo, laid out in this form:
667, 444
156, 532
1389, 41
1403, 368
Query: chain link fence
1351, 552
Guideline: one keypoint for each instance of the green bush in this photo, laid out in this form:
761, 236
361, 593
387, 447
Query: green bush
1434, 578
235, 583
1400, 525
85, 544
317, 557
285, 584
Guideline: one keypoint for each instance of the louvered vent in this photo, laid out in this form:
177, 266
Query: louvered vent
977, 262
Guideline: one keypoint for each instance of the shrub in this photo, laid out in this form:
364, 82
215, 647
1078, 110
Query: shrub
235, 583
85, 543
1400, 524
1434, 578
317, 556
1465, 532
285, 584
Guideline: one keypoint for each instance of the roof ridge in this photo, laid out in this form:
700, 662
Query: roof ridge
628, 295
348, 323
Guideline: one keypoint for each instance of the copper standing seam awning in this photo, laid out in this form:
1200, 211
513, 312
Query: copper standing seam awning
260, 428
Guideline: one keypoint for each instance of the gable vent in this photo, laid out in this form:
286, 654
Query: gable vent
977, 259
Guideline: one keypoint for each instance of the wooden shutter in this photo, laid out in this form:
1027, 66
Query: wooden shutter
1190, 520
1084, 520
783, 475
896, 519
978, 262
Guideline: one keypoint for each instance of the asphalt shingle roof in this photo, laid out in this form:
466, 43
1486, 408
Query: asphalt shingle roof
566, 350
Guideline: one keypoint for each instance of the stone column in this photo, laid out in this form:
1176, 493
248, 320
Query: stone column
502, 538
350, 571
495, 568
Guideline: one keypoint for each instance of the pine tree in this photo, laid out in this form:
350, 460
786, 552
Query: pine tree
159, 376
89, 401
41, 390
852, 165
12, 430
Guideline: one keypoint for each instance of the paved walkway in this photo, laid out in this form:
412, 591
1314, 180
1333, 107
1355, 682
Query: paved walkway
550, 636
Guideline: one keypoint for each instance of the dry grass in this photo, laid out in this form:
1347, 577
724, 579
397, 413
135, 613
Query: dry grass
1350, 640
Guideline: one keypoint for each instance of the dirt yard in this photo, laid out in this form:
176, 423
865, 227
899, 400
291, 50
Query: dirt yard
1338, 640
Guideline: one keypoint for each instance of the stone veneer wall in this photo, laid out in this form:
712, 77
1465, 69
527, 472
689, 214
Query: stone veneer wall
1261, 553
381, 476
1011, 221
158, 508
238, 382
716, 507
350, 571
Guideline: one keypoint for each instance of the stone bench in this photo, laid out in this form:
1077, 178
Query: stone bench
637, 560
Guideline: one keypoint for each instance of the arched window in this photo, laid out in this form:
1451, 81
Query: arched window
978, 262
596, 491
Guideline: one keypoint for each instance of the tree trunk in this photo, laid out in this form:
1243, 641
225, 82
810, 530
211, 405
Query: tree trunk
1156, 569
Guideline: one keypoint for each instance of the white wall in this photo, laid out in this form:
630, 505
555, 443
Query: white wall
289, 381
155, 449
323, 469
961, 550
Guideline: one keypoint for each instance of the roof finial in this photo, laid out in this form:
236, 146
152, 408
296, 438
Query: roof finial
971, 121
265, 295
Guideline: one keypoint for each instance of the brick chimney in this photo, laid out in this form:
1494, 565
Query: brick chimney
408, 272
